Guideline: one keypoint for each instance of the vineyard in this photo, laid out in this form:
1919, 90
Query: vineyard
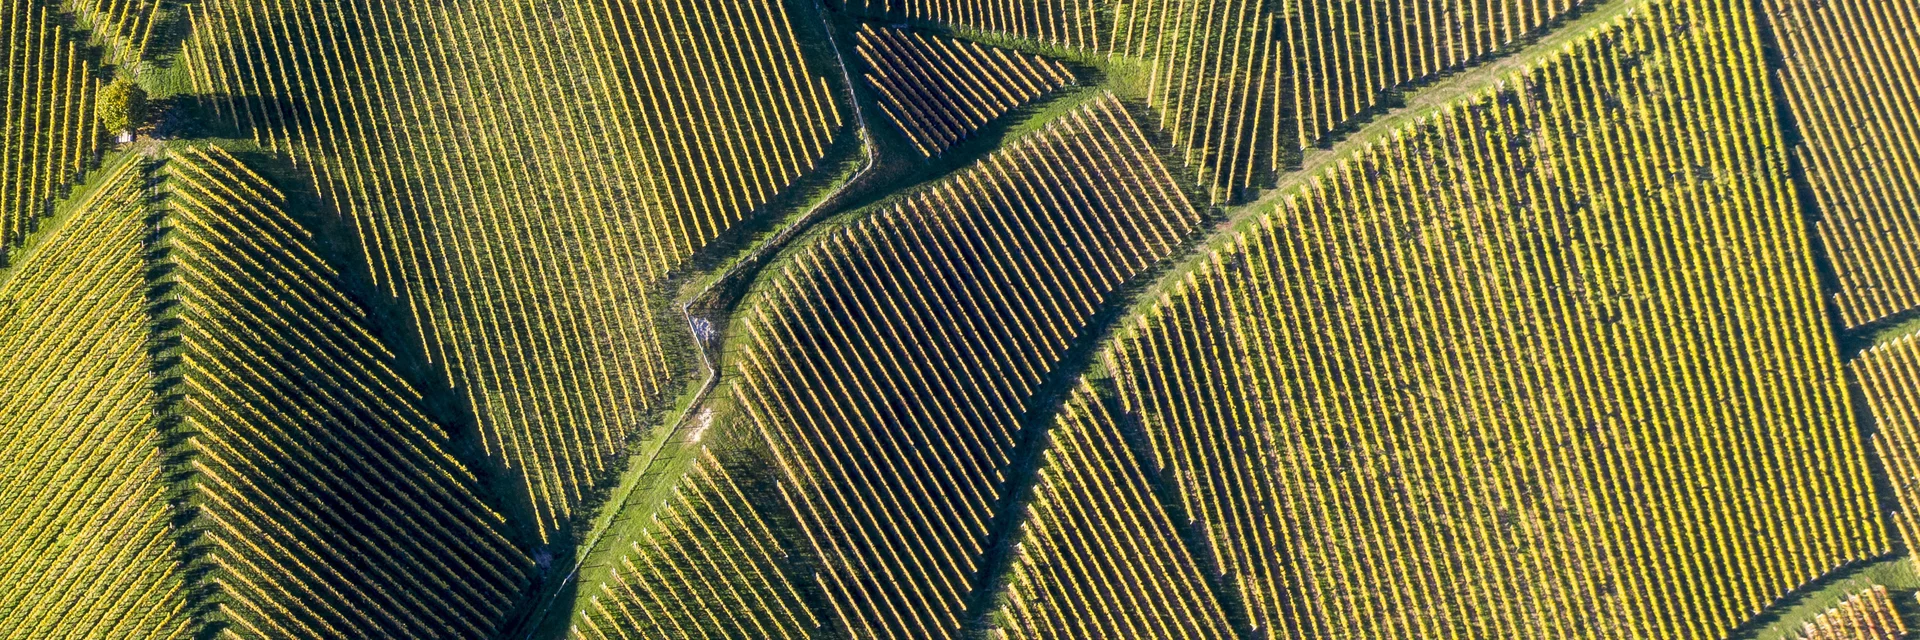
939, 91
998, 319
1101, 558
1868, 615
49, 135
491, 197
313, 472
1887, 375
713, 570
1242, 88
894, 430
1849, 75
123, 28
1064, 23
1459, 285
88, 549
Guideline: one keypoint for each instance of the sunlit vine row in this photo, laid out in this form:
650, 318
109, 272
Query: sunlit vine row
48, 134
1551, 362
1242, 85
890, 364
86, 545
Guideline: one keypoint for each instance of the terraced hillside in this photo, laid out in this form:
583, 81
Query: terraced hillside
1101, 557
87, 542
892, 364
1064, 23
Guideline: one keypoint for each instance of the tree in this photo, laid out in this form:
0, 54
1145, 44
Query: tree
122, 106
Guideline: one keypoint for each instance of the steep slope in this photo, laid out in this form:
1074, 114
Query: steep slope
327, 503
87, 549
1548, 363
1101, 558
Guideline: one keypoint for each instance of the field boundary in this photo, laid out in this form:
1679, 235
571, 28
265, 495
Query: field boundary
1421, 99
714, 299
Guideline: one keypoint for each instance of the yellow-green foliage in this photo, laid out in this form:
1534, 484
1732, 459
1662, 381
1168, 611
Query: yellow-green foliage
1852, 79
708, 567
122, 106
524, 176
86, 549
1101, 558
1240, 84
47, 131
329, 505
1890, 382
1548, 363
890, 364
122, 28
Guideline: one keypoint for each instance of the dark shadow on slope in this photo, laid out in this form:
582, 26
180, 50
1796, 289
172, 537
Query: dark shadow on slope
1850, 343
1029, 450
191, 550
256, 118
295, 371
752, 467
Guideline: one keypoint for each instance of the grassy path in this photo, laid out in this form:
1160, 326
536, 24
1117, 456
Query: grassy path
664, 455
1794, 611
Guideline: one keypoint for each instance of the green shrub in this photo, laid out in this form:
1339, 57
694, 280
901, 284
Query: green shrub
122, 106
